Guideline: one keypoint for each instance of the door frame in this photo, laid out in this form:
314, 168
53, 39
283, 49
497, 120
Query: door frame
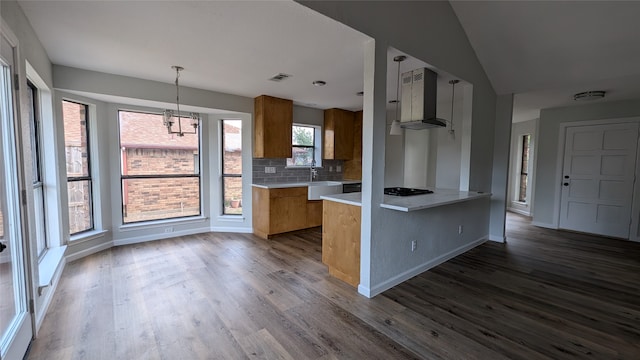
25, 333
635, 205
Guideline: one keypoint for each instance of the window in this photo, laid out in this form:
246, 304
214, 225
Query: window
304, 146
36, 161
524, 166
232, 167
160, 172
78, 161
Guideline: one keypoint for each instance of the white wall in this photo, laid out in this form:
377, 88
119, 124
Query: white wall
431, 32
518, 130
504, 112
547, 174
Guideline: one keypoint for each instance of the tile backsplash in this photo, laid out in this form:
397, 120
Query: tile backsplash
284, 174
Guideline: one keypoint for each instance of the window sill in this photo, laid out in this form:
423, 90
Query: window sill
231, 218
161, 223
86, 236
48, 265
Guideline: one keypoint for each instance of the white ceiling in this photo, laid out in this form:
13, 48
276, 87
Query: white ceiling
544, 52
228, 46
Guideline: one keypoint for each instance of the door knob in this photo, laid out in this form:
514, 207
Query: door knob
566, 184
566, 176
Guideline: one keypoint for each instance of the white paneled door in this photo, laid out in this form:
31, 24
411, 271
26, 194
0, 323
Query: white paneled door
598, 177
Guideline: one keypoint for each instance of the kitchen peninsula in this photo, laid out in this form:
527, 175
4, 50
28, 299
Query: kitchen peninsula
342, 223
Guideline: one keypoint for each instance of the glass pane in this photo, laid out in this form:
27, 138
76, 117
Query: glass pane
147, 148
35, 171
232, 142
75, 138
232, 195
154, 199
301, 156
79, 193
302, 135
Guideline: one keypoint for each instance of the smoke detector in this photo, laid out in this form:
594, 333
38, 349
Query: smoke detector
279, 77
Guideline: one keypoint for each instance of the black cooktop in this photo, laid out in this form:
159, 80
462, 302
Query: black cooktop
401, 191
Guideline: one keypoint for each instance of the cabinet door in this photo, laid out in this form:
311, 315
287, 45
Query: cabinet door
288, 214
338, 134
353, 167
314, 213
272, 127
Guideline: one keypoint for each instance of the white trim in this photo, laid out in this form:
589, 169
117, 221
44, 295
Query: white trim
498, 238
86, 252
49, 264
388, 284
545, 225
48, 297
519, 211
86, 236
154, 224
235, 229
153, 237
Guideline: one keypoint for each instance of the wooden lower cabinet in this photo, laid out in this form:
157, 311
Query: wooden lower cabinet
341, 240
277, 211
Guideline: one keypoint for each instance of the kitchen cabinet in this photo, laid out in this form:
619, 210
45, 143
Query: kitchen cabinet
281, 210
341, 241
338, 134
272, 127
353, 167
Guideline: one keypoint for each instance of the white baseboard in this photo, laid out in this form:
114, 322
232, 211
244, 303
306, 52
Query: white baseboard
544, 225
241, 230
388, 284
152, 237
498, 238
519, 211
86, 252
48, 297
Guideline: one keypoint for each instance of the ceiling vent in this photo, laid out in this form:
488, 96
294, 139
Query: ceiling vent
279, 77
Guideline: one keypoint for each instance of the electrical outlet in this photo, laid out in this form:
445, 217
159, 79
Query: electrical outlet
168, 229
460, 229
270, 169
338, 168
330, 168
414, 245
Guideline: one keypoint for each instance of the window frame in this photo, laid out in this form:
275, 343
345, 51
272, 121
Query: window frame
317, 146
197, 174
37, 145
224, 175
88, 177
525, 146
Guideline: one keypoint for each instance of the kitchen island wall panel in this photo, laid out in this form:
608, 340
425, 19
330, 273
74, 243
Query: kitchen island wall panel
436, 231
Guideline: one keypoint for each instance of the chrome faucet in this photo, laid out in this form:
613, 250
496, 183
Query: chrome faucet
312, 170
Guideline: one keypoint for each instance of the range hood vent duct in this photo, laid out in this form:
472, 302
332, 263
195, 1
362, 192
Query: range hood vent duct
418, 102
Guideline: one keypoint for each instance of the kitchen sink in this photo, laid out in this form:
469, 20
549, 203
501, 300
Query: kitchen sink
320, 188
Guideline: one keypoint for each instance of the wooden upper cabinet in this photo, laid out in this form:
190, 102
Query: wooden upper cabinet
338, 134
272, 127
353, 167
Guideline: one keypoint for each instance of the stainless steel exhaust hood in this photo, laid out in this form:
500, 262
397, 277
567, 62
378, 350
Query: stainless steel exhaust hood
418, 102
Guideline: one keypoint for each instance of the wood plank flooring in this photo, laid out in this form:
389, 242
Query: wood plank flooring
543, 295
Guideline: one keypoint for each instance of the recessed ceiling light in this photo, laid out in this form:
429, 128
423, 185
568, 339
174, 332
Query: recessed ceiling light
279, 77
319, 83
589, 95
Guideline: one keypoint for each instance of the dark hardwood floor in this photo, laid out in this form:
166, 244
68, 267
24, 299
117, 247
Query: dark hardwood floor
543, 295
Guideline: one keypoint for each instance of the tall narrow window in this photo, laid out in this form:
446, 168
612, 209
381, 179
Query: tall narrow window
303, 149
78, 159
232, 167
160, 171
524, 168
36, 162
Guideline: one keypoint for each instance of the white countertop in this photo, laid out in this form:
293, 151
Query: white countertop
298, 184
440, 197
348, 198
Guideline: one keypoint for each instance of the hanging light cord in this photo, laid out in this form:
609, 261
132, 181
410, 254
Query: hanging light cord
398, 91
178, 68
453, 97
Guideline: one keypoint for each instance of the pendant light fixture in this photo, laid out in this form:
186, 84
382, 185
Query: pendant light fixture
395, 124
453, 99
171, 117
